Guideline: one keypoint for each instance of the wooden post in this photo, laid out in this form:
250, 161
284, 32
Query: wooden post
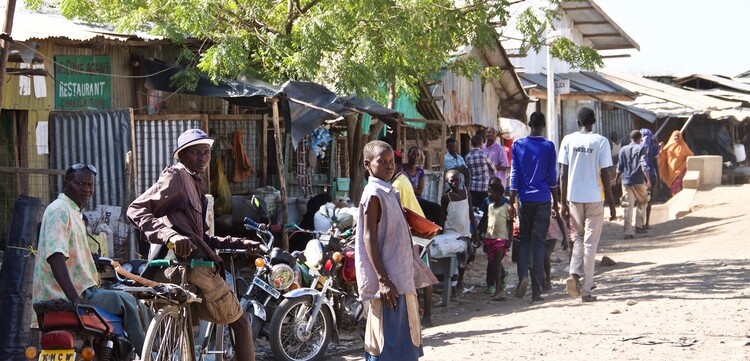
281, 169
356, 170
264, 151
10, 11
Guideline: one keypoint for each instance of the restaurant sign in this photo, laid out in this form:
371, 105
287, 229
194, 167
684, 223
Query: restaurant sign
83, 82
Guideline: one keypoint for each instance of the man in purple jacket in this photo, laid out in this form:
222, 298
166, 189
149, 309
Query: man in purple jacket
533, 180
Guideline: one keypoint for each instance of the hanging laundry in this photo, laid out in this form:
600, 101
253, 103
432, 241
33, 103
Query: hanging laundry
221, 191
243, 168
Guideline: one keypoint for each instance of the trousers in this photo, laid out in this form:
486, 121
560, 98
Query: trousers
534, 223
122, 304
588, 219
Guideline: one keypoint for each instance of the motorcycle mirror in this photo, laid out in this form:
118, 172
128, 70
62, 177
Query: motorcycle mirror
98, 252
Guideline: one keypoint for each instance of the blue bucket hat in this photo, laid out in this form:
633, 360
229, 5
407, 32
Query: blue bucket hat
190, 138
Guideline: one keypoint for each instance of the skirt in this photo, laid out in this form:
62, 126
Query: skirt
394, 334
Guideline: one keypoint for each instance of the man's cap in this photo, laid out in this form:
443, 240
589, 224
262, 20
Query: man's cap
190, 138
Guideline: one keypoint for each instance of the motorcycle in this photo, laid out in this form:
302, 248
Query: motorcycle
309, 318
73, 331
276, 273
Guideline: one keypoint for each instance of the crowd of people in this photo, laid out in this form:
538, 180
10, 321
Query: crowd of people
515, 184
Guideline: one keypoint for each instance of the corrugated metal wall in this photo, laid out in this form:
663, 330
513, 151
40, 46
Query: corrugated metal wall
101, 138
615, 120
155, 139
466, 101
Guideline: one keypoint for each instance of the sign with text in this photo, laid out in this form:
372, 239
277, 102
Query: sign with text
562, 86
83, 82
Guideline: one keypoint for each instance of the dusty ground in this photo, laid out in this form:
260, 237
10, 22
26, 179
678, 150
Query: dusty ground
681, 291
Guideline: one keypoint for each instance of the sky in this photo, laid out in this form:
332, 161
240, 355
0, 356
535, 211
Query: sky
682, 37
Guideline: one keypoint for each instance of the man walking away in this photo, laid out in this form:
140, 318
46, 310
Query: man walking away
634, 170
480, 168
586, 161
533, 179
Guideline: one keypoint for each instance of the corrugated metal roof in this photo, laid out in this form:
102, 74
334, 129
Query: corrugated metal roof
588, 18
726, 95
581, 83
661, 100
714, 81
49, 24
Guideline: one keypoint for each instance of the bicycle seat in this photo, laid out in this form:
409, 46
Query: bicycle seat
60, 314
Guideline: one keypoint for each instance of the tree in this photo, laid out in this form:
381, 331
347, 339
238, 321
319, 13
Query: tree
352, 45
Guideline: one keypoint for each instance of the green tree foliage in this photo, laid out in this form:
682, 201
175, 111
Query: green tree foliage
353, 45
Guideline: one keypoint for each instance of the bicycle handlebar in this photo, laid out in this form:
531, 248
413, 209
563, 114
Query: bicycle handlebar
193, 263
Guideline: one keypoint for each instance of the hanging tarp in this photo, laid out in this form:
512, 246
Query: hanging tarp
294, 95
16, 278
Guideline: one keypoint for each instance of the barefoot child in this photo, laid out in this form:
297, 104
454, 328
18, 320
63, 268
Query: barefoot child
494, 225
388, 274
459, 221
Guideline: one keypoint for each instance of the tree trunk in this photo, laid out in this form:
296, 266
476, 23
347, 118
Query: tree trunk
10, 11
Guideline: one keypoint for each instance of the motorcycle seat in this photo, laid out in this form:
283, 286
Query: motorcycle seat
62, 316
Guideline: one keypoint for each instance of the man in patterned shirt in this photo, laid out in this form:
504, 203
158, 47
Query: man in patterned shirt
65, 268
480, 167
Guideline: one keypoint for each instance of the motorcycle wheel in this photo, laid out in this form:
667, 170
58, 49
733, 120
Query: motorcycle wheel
288, 340
168, 337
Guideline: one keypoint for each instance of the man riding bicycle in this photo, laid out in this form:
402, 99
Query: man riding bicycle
173, 211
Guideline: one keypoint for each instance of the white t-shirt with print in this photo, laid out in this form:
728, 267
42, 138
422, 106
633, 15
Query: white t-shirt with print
585, 154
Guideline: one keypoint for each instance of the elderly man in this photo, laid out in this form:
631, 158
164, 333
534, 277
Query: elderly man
65, 268
173, 211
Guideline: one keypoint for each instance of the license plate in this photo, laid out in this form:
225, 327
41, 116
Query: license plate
57, 355
266, 287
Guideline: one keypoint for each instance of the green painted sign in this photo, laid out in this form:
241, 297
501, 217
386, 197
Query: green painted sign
83, 82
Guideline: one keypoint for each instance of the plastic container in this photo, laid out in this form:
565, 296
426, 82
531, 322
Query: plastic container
272, 197
739, 152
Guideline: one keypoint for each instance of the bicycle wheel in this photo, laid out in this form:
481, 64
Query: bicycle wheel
168, 337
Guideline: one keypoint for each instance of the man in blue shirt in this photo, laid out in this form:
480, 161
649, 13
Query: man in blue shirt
533, 180
633, 169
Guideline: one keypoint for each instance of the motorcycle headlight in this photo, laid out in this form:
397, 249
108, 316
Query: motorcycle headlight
281, 276
313, 253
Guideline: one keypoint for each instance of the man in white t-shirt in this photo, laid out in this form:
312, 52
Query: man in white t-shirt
586, 158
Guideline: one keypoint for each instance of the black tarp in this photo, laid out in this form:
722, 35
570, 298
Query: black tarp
710, 137
305, 119
16, 278
251, 93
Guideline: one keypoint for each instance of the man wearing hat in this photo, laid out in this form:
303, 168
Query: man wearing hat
173, 211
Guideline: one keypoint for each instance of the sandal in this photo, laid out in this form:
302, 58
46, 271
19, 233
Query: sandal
588, 298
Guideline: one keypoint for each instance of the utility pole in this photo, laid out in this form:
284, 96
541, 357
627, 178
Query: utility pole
10, 11
552, 122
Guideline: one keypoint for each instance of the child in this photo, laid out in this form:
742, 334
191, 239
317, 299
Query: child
494, 225
388, 274
490, 279
459, 221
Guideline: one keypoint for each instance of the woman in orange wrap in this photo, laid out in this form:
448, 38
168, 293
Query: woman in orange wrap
673, 161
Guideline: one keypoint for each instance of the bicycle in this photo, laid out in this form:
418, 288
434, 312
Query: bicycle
169, 335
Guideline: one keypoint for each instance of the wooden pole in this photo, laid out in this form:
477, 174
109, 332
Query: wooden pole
281, 169
264, 150
10, 11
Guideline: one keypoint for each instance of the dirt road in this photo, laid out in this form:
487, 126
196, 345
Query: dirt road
680, 292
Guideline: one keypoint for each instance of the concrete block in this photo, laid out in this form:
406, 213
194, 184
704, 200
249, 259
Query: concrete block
692, 179
659, 213
712, 168
695, 163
